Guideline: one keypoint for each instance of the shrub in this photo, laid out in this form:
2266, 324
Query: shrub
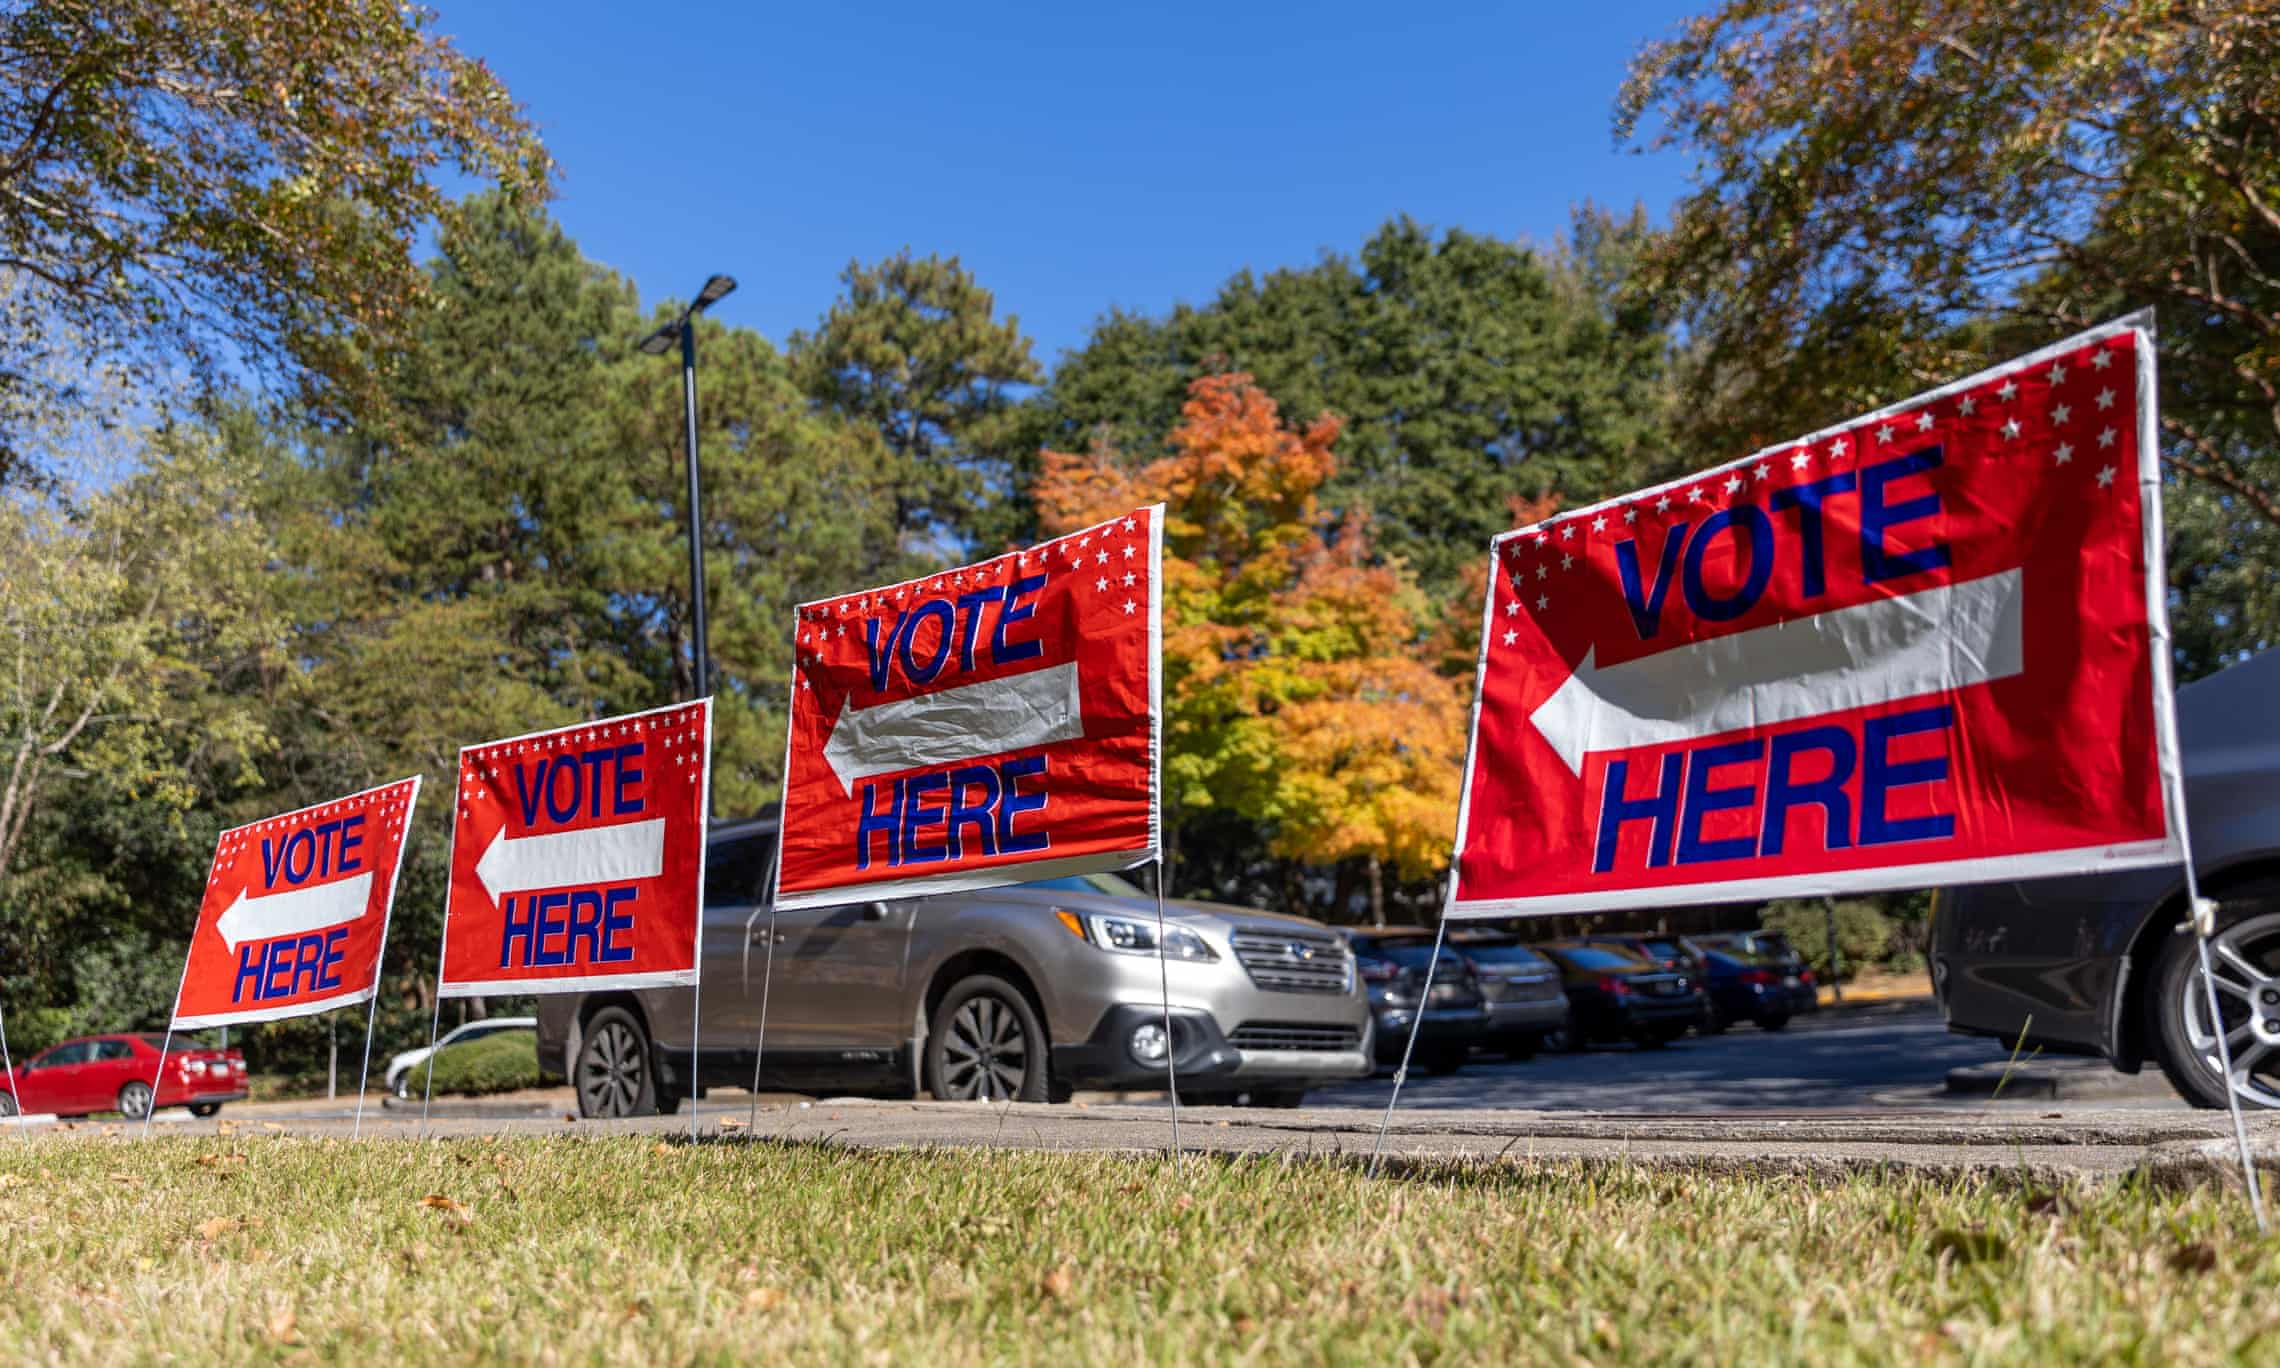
497, 1063
1864, 933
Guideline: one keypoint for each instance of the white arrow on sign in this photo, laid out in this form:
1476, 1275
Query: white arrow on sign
294, 911
964, 723
1948, 637
597, 855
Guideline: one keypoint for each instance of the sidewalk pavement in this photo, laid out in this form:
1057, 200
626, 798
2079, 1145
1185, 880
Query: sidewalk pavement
2034, 1145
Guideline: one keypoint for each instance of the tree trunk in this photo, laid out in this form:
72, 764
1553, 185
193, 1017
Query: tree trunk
1377, 892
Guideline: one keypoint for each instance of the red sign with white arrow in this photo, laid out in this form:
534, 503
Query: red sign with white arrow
578, 856
987, 725
295, 915
1927, 646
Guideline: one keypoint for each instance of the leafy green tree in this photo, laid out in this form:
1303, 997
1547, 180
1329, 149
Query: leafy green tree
1893, 195
1470, 372
915, 349
230, 183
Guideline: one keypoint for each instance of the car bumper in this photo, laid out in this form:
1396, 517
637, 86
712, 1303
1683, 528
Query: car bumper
1533, 1014
187, 1097
1441, 1026
1203, 1054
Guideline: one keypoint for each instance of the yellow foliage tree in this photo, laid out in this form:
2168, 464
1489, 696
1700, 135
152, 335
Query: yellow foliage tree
1299, 688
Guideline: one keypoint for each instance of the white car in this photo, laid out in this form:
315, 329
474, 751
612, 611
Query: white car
404, 1068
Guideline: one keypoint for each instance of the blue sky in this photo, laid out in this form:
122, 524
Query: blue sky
1075, 157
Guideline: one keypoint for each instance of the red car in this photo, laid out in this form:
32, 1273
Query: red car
114, 1073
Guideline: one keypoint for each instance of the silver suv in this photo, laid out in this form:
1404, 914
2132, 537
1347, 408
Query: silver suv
1024, 993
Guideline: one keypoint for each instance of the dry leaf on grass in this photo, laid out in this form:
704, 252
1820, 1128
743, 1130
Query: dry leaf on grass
218, 1227
763, 1299
282, 1329
458, 1213
730, 1123
215, 1161
2193, 1258
1058, 1283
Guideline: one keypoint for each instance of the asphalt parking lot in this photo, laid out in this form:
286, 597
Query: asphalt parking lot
1859, 1059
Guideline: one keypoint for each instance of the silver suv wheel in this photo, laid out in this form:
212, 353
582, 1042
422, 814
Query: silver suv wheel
2244, 959
613, 1067
986, 1045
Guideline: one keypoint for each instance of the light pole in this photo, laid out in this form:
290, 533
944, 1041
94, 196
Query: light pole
685, 327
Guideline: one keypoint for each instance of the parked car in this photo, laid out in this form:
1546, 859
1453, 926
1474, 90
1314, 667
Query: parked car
403, 1074
1521, 989
1392, 961
1671, 952
2106, 964
1772, 949
1022, 993
1740, 989
115, 1072
1615, 995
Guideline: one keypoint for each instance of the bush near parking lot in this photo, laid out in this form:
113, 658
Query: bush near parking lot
1864, 932
499, 1063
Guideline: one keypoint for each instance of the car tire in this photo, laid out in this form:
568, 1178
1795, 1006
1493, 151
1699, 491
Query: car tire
1191, 1098
1567, 1040
986, 1043
1773, 1021
2178, 1008
204, 1109
402, 1085
612, 1075
1714, 1022
134, 1099
7, 1105
1521, 1046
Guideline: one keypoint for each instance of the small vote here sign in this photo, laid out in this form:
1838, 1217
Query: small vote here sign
982, 726
577, 856
295, 915
1927, 646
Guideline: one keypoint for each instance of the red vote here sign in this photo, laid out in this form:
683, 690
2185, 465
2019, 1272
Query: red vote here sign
1926, 646
295, 914
983, 726
578, 856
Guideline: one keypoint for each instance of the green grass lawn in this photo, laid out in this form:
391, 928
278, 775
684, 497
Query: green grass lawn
636, 1250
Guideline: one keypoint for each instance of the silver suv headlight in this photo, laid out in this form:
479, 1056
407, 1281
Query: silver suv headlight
1134, 937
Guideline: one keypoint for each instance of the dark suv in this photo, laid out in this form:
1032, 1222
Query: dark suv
2103, 963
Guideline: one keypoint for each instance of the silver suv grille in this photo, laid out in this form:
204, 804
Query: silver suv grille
1295, 961
1294, 1035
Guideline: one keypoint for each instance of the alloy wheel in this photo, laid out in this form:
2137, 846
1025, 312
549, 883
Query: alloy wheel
610, 1074
2244, 963
134, 1101
987, 1054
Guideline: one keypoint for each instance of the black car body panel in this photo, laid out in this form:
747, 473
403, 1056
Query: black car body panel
1614, 994
1393, 966
2061, 961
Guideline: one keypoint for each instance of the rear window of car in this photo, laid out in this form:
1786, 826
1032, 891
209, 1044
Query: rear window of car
1600, 957
1666, 949
1410, 953
1512, 955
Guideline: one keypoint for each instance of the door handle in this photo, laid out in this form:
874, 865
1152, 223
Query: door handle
761, 935
876, 911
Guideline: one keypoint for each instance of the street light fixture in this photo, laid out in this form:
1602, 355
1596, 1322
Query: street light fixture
716, 288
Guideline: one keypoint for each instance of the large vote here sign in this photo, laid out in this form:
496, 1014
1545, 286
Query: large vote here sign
983, 726
578, 856
1927, 646
295, 914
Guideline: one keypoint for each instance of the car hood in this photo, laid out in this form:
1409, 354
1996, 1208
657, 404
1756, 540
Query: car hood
1220, 917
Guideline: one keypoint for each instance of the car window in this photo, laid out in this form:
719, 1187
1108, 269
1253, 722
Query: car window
1514, 956
1600, 957
75, 1052
1666, 949
113, 1049
736, 871
1412, 954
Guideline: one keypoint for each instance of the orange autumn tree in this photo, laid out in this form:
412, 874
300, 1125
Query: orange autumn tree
1299, 689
